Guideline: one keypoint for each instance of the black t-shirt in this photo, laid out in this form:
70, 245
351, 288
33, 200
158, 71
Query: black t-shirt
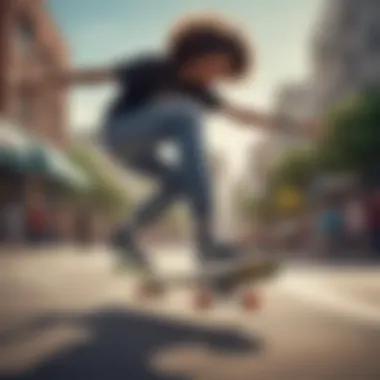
145, 79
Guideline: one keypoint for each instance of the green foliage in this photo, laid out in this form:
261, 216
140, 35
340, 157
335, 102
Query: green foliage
296, 168
106, 193
352, 138
351, 143
261, 207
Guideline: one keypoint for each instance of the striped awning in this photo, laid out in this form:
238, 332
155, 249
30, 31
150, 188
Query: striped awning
27, 153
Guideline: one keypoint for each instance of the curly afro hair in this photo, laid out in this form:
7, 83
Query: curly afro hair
198, 36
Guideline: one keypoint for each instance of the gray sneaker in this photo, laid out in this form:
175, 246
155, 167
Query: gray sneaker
130, 257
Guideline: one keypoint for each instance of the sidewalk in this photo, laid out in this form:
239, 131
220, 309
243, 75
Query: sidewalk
350, 291
363, 286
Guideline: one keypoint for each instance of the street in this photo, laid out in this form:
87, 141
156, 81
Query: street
67, 315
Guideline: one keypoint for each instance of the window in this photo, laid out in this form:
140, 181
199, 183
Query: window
25, 112
374, 39
349, 15
350, 66
25, 36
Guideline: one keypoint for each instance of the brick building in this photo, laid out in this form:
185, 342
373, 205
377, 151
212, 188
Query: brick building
30, 42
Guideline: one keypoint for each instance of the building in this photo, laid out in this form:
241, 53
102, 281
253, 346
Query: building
346, 50
297, 100
254, 179
220, 180
299, 103
31, 43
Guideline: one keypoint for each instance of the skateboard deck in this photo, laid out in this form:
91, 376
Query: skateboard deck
242, 272
216, 283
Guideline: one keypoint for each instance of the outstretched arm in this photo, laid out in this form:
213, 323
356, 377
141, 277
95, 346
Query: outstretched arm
66, 78
252, 117
83, 77
249, 117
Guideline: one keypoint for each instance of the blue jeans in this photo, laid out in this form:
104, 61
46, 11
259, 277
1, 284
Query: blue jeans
134, 139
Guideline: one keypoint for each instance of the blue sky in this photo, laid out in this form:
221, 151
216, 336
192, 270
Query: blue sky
100, 31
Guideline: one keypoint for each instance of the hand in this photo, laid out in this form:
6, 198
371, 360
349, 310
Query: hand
247, 116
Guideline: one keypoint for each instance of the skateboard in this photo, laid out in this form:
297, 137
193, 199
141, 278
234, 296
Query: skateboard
207, 288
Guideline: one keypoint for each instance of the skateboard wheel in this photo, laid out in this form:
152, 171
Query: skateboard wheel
203, 299
251, 300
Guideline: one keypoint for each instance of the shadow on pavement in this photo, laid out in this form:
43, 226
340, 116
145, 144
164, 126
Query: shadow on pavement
122, 344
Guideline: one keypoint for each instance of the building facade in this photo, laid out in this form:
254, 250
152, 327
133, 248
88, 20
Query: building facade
297, 101
30, 44
346, 50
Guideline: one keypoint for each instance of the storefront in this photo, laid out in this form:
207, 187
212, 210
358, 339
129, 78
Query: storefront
35, 181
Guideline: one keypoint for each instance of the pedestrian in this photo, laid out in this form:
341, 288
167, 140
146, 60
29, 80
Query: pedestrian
373, 217
356, 224
331, 225
37, 221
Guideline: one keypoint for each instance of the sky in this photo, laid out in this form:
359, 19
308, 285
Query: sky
101, 31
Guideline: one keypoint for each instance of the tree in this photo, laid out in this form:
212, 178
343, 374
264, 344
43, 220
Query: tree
352, 137
259, 207
296, 168
289, 183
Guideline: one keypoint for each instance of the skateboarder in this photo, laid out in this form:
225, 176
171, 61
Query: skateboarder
162, 97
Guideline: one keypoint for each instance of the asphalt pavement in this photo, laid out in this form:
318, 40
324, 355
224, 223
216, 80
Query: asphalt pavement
65, 314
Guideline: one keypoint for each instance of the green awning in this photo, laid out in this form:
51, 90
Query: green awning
52, 163
26, 153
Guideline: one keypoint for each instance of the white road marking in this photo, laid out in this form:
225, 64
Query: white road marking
313, 291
